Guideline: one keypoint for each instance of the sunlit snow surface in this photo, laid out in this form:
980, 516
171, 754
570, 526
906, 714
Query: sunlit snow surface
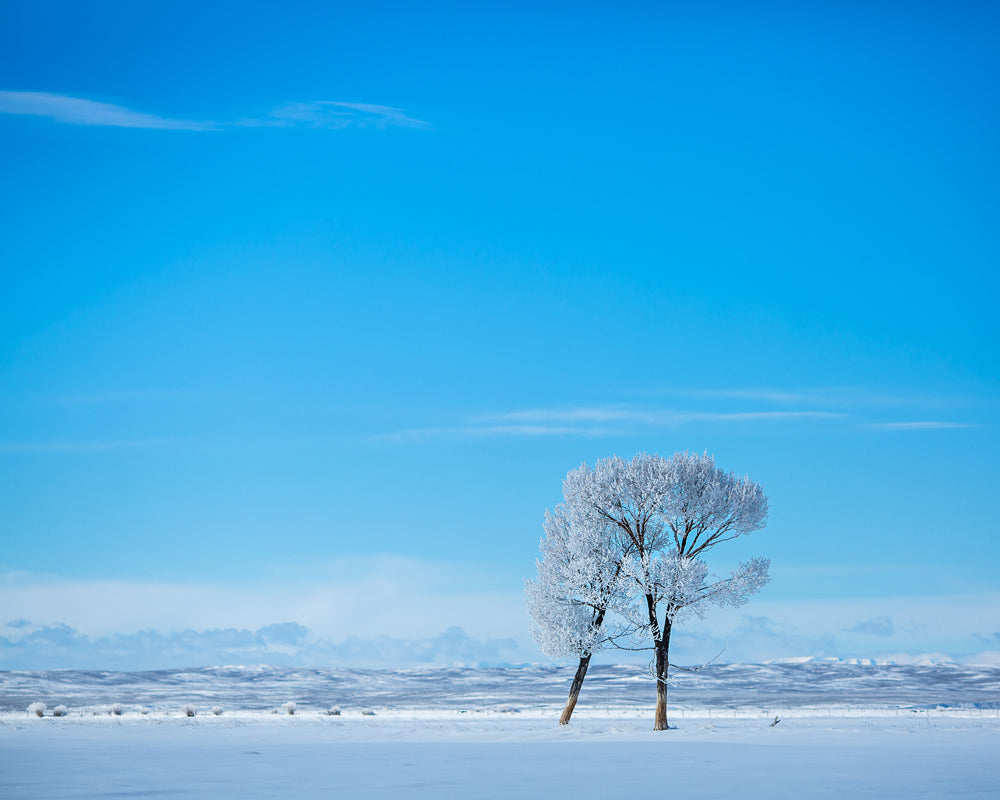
815, 685
854, 731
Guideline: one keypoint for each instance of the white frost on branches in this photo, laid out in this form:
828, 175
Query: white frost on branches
706, 505
631, 533
682, 586
578, 581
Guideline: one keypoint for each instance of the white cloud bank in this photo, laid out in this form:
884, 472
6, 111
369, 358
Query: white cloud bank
34, 647
369, 596
392, 611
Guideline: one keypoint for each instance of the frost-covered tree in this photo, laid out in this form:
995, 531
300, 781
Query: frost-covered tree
652, 518
672, 588
579, 580
697, 506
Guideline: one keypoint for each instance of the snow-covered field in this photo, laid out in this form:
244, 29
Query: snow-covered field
870, 731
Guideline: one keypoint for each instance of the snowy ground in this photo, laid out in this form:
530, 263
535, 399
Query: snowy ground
304, 757
493, 734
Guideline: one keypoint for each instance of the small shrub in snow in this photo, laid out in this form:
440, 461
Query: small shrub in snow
334, 711
38, 709
59, 711
188, 711
289, 708
145, 711
116, 710
217, 710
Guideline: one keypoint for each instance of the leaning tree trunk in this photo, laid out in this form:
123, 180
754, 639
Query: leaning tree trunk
581, 672
574, 690
662, 669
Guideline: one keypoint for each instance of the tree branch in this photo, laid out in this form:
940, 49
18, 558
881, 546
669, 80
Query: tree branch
701, 666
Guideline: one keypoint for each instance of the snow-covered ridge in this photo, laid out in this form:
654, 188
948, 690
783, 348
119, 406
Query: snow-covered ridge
989, 658
811, 686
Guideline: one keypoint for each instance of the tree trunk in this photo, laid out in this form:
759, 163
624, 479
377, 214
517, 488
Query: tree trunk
574, 691
662, 670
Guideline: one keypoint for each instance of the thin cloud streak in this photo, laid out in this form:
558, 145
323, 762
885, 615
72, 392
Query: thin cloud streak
531, 422
756, 394
744, 416
79, 447
421, 434
382, 116
926, 425
322, 114
837, 396
127, 396
656, 417
80, 111
591, 420
565, 415
333, 115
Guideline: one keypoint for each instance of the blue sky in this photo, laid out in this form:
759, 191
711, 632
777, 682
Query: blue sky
306, 310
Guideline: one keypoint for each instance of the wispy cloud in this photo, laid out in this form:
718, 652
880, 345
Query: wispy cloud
879, 626
592, 421
334, 115
328, 114
923, 425
854, 405
756, 416
592, 414
126, 396
488, 431
80, 111
856, 397
79, 447
766, 395
656, 416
